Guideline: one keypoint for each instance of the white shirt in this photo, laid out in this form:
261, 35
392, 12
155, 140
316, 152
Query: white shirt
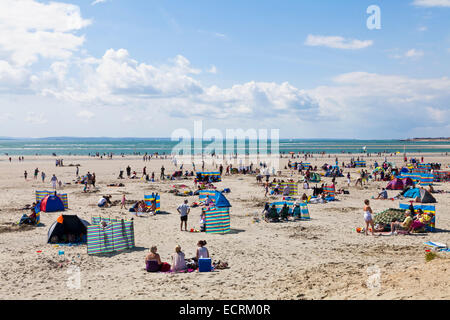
102, 201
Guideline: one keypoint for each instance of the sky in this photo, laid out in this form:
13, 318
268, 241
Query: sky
145, 68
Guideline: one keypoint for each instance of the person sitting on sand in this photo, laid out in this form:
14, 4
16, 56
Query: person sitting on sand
103, 203
284, 212
382, 195
153, 260
178, 260
202, 251
273, 214
402, 226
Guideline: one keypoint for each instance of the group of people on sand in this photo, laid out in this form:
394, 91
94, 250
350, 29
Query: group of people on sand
271, 214
179, 262
413, 221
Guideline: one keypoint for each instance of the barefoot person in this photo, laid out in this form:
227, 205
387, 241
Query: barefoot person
368, 216
153, 260
184, 211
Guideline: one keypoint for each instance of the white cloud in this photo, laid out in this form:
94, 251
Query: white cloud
35, 118
213, 69
365, 100
337, 42
85, 114
432, 3
31, 29
413, 53
97, 2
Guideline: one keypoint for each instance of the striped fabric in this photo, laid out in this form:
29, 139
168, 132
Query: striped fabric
429, 210
304, 211
440, 176
117, 236
148, 201
426, 179
413, 176
203, 195
216, 175
63, 196
217, 220
419, 171
360, 164
306, 165
293, 187
426, 166
330, 192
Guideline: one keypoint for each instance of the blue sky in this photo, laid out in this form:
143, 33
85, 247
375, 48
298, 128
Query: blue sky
145, 68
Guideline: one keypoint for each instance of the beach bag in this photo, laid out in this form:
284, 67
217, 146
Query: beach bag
165, 267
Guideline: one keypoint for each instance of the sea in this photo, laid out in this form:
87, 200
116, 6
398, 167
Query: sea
141, 146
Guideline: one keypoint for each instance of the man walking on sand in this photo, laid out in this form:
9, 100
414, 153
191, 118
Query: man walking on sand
184, 212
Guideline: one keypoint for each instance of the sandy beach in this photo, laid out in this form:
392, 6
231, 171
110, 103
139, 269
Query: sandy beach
324, 258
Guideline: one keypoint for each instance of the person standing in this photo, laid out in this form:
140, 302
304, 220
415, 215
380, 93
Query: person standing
184, 210
162, 173
25, 174
36, 172
43, 176
78, 171
368, 217
54, 180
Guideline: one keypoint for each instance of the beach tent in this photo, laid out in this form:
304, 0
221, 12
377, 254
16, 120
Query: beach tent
118, 235
150, 198
52, 203
396, 184
67, 224
40, 195
221, 201
427, 209
407, 182
404, 170
422, 194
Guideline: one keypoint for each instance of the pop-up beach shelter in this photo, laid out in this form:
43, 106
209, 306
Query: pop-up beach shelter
40, 195
67, 224
396, 184
422, 194
52, 203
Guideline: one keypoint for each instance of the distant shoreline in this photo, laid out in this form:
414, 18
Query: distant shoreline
428, 139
